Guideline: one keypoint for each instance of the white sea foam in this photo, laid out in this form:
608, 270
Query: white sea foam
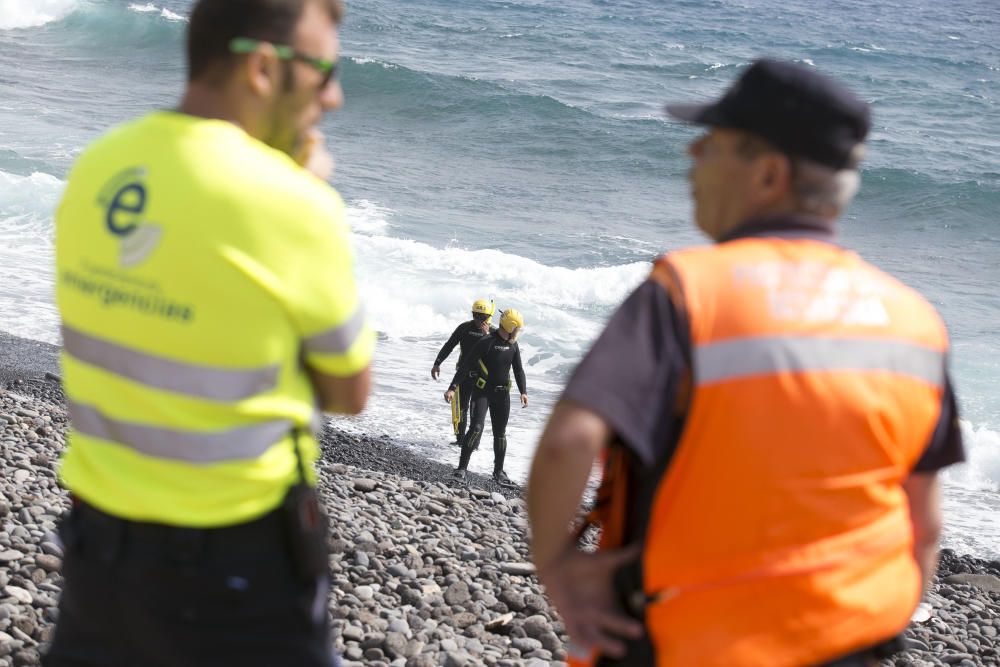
365, 60
366, 217
26, 205
149, 7
446, 280
33, 13
982, 469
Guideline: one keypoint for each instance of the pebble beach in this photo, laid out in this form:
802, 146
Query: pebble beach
424, 571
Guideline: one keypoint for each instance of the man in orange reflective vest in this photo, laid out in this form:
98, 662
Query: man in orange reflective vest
772, 412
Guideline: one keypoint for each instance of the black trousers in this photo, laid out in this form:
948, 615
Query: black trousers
161, 596
497, 402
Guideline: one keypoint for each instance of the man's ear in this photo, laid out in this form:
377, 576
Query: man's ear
261, 71
773, 176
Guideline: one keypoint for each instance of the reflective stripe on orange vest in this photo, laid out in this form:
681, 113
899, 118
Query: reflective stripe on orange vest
742, 357
780, 534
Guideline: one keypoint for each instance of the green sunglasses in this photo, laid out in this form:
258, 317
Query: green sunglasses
328, 68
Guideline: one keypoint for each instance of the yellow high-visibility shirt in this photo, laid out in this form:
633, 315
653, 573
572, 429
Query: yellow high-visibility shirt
198, 271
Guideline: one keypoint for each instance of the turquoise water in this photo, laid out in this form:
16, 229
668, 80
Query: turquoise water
516, 149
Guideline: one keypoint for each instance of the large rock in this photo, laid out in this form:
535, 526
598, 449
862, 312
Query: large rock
394, 645
18, 593
457, 594
365, 485
520, 569
513, 599
537, 625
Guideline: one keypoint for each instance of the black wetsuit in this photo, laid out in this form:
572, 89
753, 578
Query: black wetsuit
466, 335
493, 357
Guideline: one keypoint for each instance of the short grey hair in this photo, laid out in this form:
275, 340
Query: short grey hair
822, 190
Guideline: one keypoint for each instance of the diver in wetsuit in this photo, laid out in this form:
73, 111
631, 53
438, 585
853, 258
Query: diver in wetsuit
494, 356
466, 335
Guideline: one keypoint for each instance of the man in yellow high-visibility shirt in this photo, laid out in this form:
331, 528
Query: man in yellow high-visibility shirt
208, 306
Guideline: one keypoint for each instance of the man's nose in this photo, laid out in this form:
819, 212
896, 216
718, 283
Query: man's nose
696, 147
332, 96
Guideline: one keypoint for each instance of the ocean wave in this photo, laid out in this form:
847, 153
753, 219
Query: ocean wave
129, 28
421, 91
26, 254
33, 195
16, 14
912, 194
434, 286
543, 123
365, 60
584, 290
366, 217
981, 471
162, 11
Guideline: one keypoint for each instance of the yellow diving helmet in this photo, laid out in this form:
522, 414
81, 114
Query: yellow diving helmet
512, 322
483, 307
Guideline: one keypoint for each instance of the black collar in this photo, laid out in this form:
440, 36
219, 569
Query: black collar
786, 226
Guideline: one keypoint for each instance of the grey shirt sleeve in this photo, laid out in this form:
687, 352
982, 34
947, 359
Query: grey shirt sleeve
630, 375
945, 447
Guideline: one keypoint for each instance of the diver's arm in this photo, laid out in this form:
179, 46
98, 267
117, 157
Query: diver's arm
522, 384
446, 349
450, 344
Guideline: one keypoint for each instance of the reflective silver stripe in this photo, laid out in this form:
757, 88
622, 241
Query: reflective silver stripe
212, 382
759, 356
236, 444
338, 340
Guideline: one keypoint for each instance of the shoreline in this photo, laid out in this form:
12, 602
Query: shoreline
425, 571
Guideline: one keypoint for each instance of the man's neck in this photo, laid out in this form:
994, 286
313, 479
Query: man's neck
204, 101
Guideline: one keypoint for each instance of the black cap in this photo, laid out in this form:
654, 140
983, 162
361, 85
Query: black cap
800, 111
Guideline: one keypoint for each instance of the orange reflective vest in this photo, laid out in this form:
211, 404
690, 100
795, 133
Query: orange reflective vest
780, 533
